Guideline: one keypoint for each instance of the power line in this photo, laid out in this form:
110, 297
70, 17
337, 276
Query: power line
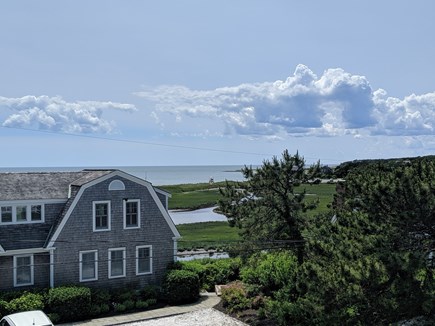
141, 142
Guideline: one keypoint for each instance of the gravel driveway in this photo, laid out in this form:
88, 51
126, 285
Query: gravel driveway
204, 317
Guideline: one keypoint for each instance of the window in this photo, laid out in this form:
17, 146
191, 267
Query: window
23, 270
36, 212
131, 213
116, 185
88, 265
144, 260
101, 214
116, 262
6, 214
22, 213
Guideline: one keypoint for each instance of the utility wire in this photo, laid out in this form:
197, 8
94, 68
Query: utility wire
141, 142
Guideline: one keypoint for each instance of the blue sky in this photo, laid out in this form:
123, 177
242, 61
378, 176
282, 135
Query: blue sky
111, 83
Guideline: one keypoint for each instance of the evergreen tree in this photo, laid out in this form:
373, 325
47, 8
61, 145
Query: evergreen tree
266, 207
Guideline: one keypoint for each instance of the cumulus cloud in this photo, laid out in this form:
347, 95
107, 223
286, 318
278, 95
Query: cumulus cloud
336, 103
55, 114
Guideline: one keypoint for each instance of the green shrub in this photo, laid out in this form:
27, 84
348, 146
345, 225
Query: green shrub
26, 302
70, 302
221, 271
119, 307
181, 286
212, 271
129, 304
105, 308
122, 295
141, 305
54, 317
270, 271
151, 302
100, 296
3, 308
150, 292
234, 297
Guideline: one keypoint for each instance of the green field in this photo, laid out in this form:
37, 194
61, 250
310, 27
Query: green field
193, 196
218, 235
207, 235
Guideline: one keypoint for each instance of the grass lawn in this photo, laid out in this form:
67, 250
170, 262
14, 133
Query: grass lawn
208, 235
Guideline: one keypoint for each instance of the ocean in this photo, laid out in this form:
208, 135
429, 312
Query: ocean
159, 175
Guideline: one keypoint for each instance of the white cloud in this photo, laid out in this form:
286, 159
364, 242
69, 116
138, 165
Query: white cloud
336, 103
55, 114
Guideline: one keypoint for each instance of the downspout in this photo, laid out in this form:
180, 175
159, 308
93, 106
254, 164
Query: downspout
175, 248
52, 268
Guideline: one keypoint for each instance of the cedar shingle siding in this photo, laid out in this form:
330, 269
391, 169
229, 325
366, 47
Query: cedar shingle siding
68, 227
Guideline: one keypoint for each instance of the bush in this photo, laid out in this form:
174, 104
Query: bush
26, 302
234, 297
141, 305
129, 304
181, 286
270, 271
100, 296
150, 292
119, 307
70, 302
212, 271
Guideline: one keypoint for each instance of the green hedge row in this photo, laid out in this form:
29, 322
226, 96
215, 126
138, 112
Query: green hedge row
73, 303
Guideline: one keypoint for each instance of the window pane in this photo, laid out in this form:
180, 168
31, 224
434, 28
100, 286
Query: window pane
36, 211
131, 214
6, 214
88, 266
116, 263
144, 260
101, 216
24, 275
21, 213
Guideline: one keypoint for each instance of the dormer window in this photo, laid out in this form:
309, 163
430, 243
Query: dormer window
21, 213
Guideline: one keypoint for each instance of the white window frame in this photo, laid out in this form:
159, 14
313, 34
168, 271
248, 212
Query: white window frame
32, 274
125, 213
137, 260
81, 253
109, 218
28, 207
110, 262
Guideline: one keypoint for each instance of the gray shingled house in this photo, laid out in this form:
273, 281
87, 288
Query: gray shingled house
99, 228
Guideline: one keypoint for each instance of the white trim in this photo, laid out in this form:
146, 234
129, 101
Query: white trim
94, 226
124, 213
95, 265
32, 201
1, 249
137, 260
24, 251
109, 262
31, 270
121, 174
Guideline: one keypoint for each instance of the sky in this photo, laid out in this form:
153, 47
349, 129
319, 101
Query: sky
195, 82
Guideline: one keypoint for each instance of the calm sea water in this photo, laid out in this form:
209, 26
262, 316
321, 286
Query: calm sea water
160, 175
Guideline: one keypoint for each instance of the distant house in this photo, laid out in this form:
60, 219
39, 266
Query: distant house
99, 228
